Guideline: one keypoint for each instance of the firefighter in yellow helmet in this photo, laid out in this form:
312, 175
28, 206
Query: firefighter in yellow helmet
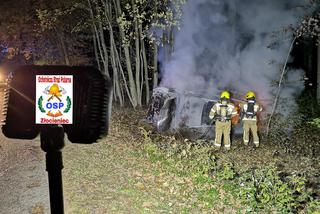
222, 112
249, 118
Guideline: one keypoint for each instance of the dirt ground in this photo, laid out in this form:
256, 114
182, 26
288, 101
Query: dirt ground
23, 179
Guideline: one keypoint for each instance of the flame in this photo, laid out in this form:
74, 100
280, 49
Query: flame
235, 118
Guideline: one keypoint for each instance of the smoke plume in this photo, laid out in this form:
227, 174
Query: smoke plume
235, 45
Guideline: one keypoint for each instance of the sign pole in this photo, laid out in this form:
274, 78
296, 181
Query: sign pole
52, 142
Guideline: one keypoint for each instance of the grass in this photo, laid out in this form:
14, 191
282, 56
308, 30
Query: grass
135, 170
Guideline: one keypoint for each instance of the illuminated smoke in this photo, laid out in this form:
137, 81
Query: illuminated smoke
235, 45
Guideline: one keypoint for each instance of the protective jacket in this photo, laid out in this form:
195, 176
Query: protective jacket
249, 118
222, 112
250, 110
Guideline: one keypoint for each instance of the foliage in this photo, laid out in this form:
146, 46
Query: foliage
297, 131
17, 37
191, 158
153, 16
281, 129
308, 105
316, 122
314, 207
125, 35
56, 22
120, 37
39, 33
144, 174
146, 135
263, 188
309, 26
226, 172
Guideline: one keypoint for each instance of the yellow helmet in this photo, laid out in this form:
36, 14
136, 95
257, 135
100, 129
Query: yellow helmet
250, 94
225, 94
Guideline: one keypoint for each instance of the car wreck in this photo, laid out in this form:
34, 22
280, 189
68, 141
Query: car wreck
186, 114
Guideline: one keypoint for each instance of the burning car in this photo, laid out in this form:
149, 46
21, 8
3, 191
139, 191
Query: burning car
183, 113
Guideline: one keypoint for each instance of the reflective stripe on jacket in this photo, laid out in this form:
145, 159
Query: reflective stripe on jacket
231, 110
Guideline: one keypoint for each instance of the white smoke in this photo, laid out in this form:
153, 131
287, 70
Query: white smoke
238, 45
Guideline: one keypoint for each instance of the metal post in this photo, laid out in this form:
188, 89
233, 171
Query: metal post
52, 142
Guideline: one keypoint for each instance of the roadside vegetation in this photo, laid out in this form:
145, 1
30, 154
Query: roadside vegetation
137, 170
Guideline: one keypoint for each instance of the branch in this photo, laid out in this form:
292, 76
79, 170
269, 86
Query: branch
279, 85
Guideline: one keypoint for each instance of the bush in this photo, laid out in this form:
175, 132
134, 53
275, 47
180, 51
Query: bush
264, 189
316, 122
260, 189
298, 131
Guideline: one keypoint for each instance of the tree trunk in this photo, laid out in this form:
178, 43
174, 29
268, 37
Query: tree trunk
104, 48
63, 47
116, 66
96, 35
116, 82
145, 66
137, 57
155, 65
96, 49
125, 82
132, 85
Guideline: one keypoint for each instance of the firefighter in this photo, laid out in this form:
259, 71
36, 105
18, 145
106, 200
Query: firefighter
249, 118
222, 112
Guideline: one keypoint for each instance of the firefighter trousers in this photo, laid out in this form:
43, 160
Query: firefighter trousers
247, 126
223, 128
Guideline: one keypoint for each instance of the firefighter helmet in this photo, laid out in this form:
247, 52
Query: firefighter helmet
225, 94
250, 95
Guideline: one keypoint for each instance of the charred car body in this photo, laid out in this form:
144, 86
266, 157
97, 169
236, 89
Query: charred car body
184, 113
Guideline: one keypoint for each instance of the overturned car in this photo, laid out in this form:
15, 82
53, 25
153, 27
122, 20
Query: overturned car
183, 113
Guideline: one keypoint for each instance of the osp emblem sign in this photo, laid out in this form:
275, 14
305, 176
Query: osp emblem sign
54, 99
